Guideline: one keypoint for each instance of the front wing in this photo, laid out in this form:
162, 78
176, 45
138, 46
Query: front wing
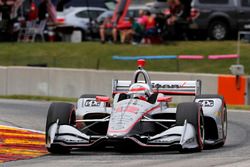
68, 136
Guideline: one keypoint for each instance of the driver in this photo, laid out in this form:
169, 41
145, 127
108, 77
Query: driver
140, 91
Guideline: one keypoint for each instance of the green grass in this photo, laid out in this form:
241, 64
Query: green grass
39, 98
93, 55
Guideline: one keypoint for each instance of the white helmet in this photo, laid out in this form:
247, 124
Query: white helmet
140, 90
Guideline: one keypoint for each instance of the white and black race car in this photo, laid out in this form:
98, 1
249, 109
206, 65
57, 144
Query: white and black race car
139, 114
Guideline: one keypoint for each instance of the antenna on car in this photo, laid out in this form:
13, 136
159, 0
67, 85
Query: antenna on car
141, 63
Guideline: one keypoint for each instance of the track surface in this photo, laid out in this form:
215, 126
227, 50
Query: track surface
32, 115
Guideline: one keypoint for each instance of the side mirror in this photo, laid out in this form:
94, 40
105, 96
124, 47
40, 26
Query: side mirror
164, 99
102, 99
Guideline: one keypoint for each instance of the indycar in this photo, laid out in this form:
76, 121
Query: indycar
139, 113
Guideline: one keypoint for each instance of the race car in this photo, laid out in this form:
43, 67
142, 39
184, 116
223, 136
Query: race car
139, 113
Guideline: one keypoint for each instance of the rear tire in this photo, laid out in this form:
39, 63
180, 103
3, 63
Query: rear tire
192, 112
65, 113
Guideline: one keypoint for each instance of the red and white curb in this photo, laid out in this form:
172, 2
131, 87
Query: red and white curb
20, 144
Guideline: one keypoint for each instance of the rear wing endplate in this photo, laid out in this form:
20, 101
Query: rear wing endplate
185, 88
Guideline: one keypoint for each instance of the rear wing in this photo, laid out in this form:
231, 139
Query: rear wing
185, 88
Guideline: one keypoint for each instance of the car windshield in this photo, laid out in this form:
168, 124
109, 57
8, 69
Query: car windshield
104, 15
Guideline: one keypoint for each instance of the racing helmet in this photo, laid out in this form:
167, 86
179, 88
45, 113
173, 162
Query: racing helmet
140, 91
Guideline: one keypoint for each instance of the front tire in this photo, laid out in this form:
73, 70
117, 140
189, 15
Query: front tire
65, 113
192, 112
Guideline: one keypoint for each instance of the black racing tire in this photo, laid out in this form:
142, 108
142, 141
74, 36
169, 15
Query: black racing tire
65, 113
218, 30
192, 112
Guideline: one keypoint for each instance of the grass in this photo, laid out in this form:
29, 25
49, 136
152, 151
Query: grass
39, 98
93, 55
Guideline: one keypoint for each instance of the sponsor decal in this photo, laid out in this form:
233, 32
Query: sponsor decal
206, 103
92, 103
162, 86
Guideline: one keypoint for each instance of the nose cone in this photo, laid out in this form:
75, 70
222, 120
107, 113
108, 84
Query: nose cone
121, 124
123, 119
125, 116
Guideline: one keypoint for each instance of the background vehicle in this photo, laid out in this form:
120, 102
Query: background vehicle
219, 19
157, 6
103, 16
139, 114
133, 10
108, 4
81, 18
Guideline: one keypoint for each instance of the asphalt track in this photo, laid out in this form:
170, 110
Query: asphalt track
32, 115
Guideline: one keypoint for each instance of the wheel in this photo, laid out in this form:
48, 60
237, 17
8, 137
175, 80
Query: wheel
65, 112
192, 112
218, 30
